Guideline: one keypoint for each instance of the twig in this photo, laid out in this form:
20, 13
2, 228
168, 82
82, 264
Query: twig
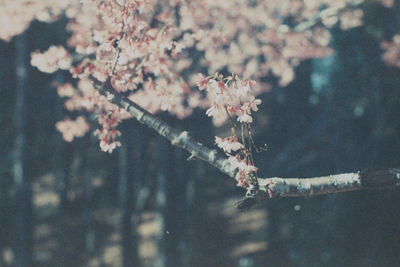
233, 127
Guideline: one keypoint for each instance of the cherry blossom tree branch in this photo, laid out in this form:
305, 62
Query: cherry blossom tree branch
177, 138
268, 187
295, 187
308, 187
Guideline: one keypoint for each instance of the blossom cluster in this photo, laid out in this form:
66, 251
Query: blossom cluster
229, 97
233, 98
55, 58
16, 15
392, 52
139, 59
146, 48
229, 144
108, 132
236, 157
73, 128
85, 97
245, 169
258, 38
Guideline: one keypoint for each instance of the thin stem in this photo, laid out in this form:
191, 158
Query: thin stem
233, 127
118, 50
258, 150
255, 177
248, 136
242, 132
115, 60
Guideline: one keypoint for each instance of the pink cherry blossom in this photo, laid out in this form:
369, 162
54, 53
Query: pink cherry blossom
72, 128
244, 117
143, 47
56, 57
392, 51
202, 84
244, 170
228, 144
65, 90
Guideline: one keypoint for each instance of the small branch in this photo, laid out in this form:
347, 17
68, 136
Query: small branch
295, 187
233, 127
268, 187
308, 187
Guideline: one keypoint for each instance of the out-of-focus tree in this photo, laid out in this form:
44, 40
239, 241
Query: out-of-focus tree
23, 192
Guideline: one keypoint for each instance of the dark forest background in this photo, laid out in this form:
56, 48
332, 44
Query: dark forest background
69, 204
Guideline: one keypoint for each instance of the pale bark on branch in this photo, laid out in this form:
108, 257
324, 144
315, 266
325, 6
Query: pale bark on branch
272, 187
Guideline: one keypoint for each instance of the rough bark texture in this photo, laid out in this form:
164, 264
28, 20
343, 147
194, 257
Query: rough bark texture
275, 186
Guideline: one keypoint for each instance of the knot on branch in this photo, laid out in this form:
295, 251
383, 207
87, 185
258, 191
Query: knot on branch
251, 199
212, 155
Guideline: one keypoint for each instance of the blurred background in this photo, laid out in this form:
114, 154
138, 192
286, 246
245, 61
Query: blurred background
69, 204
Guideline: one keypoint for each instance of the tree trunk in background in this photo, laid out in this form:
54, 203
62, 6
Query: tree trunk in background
90, 205
195, 170
126, 202
163, 154
178, 213
63, 159
62, 172
6, 107
142, 182
23, 195
4, 218
177, 226
186, 212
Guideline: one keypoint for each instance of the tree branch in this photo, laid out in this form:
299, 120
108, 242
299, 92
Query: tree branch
177, 138
295, 187
268, 187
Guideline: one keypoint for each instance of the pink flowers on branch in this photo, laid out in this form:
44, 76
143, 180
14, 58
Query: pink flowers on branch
73, 128
146, 47
392, 52
232, 98
55, 58
108, 132
229, 97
